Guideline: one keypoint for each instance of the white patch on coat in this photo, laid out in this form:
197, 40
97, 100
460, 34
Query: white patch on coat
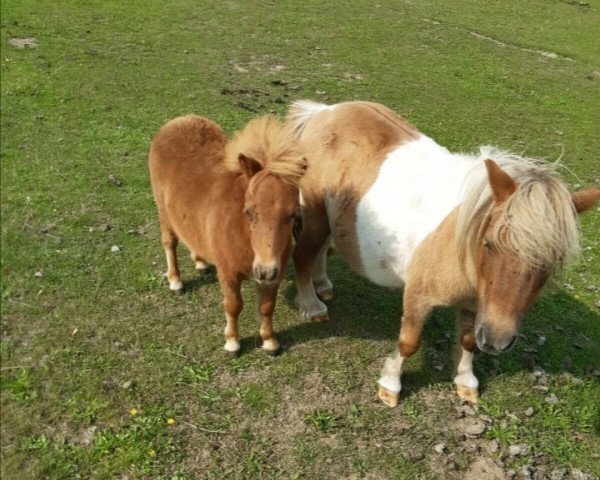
231, 340
232, 345
464, 371
271, 345
200, 265
418, 185
391, 372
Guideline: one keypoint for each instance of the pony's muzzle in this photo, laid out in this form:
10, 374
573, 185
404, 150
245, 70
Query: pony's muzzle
489, 342
265, 273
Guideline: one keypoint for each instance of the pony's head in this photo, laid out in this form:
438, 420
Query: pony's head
515, 229
266, 155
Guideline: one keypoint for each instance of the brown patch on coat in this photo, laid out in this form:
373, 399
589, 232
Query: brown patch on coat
446, 281
345, 148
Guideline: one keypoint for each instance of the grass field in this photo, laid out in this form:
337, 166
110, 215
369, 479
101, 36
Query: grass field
106, 375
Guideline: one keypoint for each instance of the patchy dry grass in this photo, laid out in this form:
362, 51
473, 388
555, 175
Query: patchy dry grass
96, 354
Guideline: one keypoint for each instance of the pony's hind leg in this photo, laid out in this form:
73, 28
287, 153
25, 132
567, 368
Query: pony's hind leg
314, 235
199, 262
466, 382
321, 282
233, 303
267, 295
170, 241
415, 315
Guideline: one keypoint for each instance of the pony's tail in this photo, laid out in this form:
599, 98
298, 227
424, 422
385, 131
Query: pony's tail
301, 112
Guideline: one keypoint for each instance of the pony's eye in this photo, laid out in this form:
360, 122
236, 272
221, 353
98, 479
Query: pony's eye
488, 245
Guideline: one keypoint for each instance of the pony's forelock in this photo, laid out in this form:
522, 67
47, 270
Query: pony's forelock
272, 144
537, 223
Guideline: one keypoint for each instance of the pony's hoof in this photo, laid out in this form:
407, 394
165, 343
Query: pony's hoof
326, 295
271, 347
177, 292
388, 398
321, 318
273, 353
467, 394
233, 354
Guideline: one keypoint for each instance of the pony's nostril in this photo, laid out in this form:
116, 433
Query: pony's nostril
509, 344
267, 274
258, 273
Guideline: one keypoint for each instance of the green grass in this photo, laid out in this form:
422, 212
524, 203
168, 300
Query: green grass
96, 334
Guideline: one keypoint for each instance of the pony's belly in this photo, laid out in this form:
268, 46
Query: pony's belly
384, 256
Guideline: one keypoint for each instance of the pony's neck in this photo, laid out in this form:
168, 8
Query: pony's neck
439, 267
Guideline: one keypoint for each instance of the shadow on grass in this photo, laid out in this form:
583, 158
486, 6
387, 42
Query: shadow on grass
560, 334
203, 278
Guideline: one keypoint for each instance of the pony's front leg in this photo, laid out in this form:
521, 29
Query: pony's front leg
466, 382
265, 306
415, 315
233, 303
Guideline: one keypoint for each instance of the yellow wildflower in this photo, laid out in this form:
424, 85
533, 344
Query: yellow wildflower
133, 412
170, 421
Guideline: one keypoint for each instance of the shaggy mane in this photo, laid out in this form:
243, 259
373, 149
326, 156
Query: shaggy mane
538, 222
271, 143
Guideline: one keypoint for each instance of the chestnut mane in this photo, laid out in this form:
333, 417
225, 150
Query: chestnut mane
272, 144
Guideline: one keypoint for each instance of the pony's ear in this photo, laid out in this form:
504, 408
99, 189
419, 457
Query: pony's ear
250, 167
502, 184
584, 199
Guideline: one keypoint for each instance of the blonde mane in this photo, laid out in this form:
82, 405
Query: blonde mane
271, 143
538, 222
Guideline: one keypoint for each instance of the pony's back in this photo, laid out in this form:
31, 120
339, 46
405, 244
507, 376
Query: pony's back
187, 142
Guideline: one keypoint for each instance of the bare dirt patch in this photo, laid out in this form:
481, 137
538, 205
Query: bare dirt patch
543, 53
484, 468
29, 42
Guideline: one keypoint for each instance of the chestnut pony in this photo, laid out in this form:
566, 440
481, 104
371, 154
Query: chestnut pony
233, 204
479, 232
